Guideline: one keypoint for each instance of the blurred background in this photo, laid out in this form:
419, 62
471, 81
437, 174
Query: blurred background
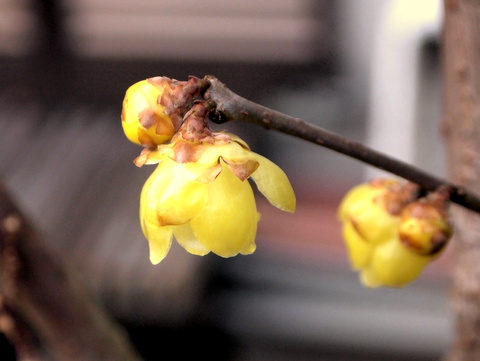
366, 69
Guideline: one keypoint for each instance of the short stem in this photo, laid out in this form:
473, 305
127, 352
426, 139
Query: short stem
233, 107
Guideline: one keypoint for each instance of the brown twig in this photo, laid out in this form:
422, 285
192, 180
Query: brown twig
230, 106
49, 299
19, 333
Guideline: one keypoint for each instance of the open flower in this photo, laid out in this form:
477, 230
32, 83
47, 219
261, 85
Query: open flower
390, 235
200, 194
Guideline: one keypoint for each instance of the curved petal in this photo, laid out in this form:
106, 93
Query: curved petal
395, 266
149, 156
198, 173
176, 199
238, 140
186, 238
228, 224
369, 278
353, 197
181, 201
372, 222
159, 242
359, 250
159, 238
273, 183
231, 152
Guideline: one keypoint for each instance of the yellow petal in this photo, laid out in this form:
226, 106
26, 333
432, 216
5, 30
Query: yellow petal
177, 199
353, 196
395, 266
159, 238
204, 169
186, 238
362, 192
203, 174
181, 201
273, 183
373, 222
231, 152
143, 119
159, 242
228, 224
368, 278
149, 156
148, 205
197, 154
359, 250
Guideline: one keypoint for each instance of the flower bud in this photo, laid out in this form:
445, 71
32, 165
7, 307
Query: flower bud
424, 227
423, 231
144, 120
369, 213
391, 236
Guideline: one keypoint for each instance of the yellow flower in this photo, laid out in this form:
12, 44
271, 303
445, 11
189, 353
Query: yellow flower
144, 120
200, 194
390, 236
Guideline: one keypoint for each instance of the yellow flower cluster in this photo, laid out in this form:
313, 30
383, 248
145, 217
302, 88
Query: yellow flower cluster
390, 234
199, 193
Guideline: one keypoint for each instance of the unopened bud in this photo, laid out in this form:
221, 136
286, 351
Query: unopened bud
143, 117
390, 234
154, 109
425, 228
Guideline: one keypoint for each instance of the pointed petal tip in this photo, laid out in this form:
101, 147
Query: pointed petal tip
289, 204
291, 207
159, 241
156, 258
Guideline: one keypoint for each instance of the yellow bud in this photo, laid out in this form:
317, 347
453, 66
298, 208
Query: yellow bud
424, 227
390, 236
144, 120
423, 231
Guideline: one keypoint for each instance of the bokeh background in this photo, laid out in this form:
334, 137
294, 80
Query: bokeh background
366, 69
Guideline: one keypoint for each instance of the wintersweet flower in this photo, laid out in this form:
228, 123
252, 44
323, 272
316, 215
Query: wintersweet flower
153, 108
144, 120
200, 194
391, 235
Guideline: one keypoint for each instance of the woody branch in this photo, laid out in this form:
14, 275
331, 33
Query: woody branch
229, 106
